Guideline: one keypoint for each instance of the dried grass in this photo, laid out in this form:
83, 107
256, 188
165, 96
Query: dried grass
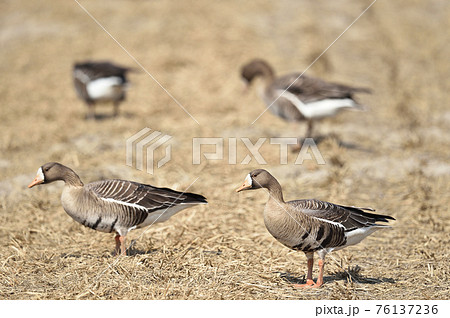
394, 158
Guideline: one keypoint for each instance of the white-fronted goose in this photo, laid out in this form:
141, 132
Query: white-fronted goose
100, 82
298, 98
115, 205
312, 225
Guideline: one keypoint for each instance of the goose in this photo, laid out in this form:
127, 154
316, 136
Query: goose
312, 225
115, 205
100, 82
295, 97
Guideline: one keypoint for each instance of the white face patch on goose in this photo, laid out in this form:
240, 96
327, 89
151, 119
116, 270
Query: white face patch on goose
248, 180
40, 175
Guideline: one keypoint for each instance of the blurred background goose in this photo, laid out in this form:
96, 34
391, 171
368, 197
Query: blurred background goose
100, 82
312, 225
300, 98
115, 205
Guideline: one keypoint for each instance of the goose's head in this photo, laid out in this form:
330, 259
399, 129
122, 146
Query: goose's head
257, 179
255, 68
51, 171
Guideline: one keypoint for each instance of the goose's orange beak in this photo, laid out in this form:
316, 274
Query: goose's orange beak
36, 181
244, 186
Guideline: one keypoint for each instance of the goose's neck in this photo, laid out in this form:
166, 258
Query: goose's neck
275, 191
267, 74
72, 179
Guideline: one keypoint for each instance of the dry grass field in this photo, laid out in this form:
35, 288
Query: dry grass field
395, 157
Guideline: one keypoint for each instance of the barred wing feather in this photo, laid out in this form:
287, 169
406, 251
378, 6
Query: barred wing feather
142, 196
348, 216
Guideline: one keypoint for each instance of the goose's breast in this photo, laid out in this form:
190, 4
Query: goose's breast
87, 211
282, 108
283, 227
301, 232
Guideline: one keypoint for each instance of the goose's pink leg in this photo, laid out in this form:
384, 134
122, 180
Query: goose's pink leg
320, 278
309, 280
120, 245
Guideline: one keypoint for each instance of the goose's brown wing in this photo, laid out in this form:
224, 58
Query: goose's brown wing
90, 71
348, 216
142, 196
309, 89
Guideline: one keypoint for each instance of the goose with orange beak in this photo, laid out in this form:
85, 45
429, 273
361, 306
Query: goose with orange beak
40, 178
115, 205
312, 225
246, 185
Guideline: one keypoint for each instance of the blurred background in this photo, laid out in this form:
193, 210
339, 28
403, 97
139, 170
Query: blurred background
395, 157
